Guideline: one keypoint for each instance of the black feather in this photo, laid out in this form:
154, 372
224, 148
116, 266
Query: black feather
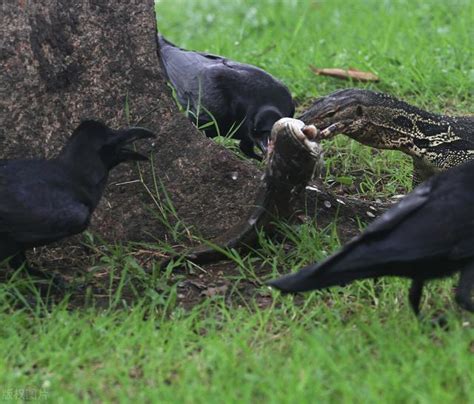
42, 201
231, 93
429, 234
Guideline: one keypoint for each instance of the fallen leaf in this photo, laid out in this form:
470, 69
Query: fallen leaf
349, 74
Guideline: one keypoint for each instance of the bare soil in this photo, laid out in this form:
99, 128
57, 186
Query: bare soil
91, 282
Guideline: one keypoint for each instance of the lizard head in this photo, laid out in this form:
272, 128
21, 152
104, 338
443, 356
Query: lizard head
345, 111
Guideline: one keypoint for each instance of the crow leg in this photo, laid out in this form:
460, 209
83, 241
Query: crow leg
465, 288
19, 260
378, 286
414, 295
12, 253
8, 249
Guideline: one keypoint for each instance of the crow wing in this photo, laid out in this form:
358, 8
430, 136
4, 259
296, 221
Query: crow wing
187, 72
211, 81
37, 204
435, 221
433, 225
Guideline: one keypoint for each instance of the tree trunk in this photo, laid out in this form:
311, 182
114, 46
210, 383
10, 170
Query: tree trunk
64, 61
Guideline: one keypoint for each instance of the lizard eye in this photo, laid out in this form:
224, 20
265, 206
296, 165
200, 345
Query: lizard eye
330, 114
359, 111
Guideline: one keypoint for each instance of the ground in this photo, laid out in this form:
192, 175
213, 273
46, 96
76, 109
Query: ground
216, 334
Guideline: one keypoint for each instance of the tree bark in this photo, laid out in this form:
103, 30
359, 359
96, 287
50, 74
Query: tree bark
65, 61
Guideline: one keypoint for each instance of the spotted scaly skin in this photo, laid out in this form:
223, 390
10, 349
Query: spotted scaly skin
435, 142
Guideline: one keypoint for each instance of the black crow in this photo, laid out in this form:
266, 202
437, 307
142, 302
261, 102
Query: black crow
429, 234
236, 96
42, 201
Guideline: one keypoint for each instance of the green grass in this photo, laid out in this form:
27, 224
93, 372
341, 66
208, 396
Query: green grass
136, 342
219, 354
350, 344
421, 50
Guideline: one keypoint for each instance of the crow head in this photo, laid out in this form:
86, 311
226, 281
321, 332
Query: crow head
262, 128
111, 146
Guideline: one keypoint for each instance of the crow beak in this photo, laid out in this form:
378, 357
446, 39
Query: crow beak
126, 137
262, 143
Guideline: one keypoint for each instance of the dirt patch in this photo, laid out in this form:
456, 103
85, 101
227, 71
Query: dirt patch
88, 269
